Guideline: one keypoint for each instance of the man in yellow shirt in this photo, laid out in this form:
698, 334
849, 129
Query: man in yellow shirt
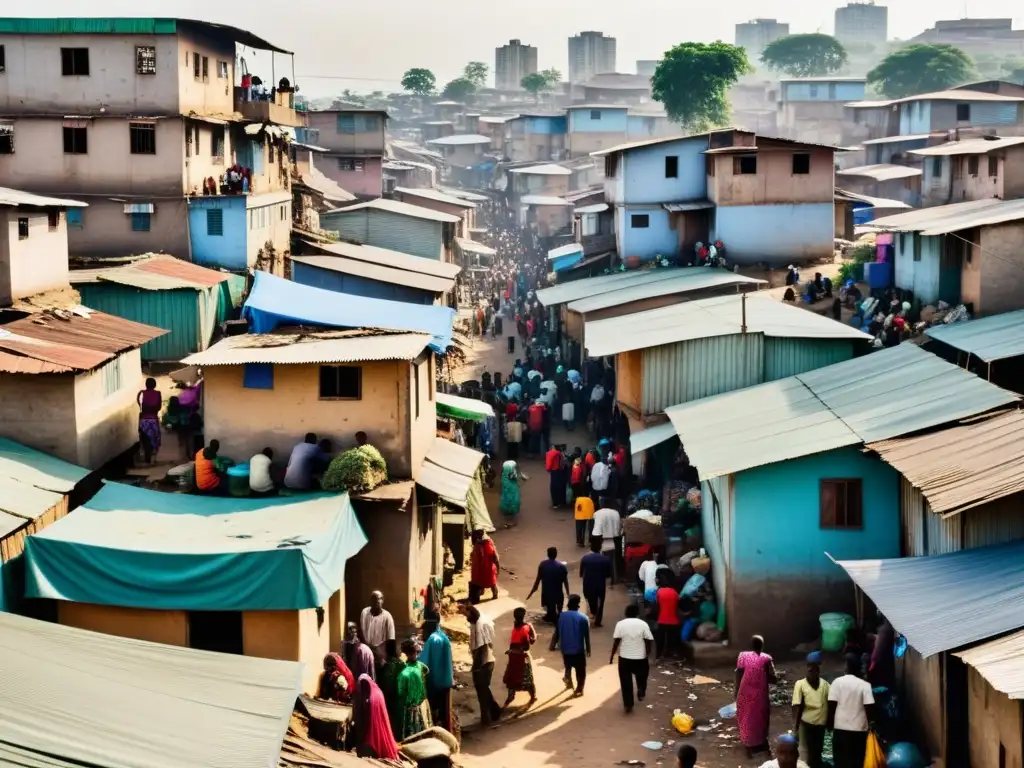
810, 711
584, 514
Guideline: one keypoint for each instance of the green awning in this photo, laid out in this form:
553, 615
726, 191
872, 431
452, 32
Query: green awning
455, 407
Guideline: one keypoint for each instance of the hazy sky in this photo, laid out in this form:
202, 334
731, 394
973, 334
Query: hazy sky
359, 40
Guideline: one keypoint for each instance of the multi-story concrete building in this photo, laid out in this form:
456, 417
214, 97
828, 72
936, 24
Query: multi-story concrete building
990, 37
158, 126
755, 35
512, 63
862, 23
590, 53
354, 140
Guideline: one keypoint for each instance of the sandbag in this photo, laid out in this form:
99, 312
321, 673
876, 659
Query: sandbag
709, 632
692, 585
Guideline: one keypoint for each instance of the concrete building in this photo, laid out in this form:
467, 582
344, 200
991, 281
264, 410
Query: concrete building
593, 127
958, 109
537, 137
813, 108
757, 34
647, 67
972, 169
397, 226
862, 23
590, 53
143, 118
988, 37
617, 88
513, 62
355, 144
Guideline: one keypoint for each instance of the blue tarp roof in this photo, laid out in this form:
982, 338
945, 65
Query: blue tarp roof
275, 301
136, 548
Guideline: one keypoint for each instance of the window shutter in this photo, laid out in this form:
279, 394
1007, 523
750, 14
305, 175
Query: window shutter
828, 504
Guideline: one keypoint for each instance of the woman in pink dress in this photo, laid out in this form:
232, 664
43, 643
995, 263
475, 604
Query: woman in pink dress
754, 671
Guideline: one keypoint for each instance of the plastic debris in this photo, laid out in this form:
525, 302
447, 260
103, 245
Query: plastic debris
652, 745
682, 722
727, 712
702, 680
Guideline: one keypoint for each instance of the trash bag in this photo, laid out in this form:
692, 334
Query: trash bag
693, 584
689, 628
905, 755
682, 722
874, 757
727, 712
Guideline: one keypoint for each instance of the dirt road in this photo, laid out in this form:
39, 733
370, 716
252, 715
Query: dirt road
593, 731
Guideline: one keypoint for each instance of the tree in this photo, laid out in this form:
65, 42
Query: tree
692, 81
535, 82
552, 77
419, 81
459, 89
805, 55
476, 72
921, 69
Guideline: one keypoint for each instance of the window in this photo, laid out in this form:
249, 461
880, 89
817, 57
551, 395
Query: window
744, 165
958, 167
963, 113
841, 505
222, 70
972, 165
197, 66
709, 165
284, 212
217, 144
140, 222
917, 246
214, 222
993, 167
143, 138
258, 376
672, 167
23, 229
3, 59
53, 220
145, 60
112, 379
73, 218
341, 382
74, 62
639, 221
76, 141
6, 138
346, 123
270, 152
595, 114
351, 164
218, 631
206, 69
611, 165
801, 163
936, 166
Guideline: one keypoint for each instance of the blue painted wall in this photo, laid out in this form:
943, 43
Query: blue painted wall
656, 239
921, 276
778, 234
227, 250
357, 286
915, 117
610, 121
644, 173
823, 91
547, 125
993, 113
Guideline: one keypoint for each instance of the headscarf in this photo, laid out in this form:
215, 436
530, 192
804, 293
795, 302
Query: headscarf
372, 724
340, 672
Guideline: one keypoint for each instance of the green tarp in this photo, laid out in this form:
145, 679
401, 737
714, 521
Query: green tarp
136, 548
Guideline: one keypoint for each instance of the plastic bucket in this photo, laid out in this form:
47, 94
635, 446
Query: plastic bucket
834, 627
238, 480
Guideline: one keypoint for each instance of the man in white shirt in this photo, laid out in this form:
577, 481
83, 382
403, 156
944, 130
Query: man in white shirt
377, 627
608, 525
633, 640
260, 481
850, 710
787, 754
481, 646
599, 475
649, 569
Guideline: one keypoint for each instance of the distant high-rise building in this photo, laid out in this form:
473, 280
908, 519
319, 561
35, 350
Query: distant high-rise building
977, 37
862, 22
590, 53
646, 67
512, 63
755, 35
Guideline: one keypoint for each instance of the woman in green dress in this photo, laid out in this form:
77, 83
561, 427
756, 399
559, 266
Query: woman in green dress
414, 715
509, 503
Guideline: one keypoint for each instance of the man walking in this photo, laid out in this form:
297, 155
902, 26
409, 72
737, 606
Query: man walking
572, 633
595, 570
553, 580
481, 646
583, 512
377, 627
633, 641
850, 709
608, 528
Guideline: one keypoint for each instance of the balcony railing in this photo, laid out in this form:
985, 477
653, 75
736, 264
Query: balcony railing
270, 107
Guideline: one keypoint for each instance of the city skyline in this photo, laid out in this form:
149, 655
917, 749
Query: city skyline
369, 47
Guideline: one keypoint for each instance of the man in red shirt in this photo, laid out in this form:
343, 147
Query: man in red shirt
535, 421
554, 463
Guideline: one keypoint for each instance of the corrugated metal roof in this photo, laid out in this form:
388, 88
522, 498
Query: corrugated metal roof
565, 250
448, 470
969, 146
869, 104
943, 219
472, 246
596, 208
547, 169
881, 172
958, 95
686, 280
86, 329
433, 194
897, 139
297, 348
543, 200
16, 197
159, 273
460, 139
591, 286
405, 209
650, 437
943, 602
457, 458
388, 258
462, 194
330, 189
383, 274
1001, 663
497, 118
886, 394
874, 202
962, 466
128, 702
704, 318
11, 363
693, 205
988, 338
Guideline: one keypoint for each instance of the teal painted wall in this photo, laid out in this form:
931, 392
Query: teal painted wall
789, 357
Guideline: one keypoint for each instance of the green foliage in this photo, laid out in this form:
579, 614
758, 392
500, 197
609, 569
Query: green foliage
921, 69
552, 77
476, 72
534, 83
419, 81
854, 268
810, 55
693, 79
357, 470
459, 89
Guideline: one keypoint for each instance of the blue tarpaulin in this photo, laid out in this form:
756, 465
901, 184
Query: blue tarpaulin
275, 301
136, 548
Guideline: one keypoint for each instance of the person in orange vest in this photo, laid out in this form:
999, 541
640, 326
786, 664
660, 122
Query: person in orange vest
554, 463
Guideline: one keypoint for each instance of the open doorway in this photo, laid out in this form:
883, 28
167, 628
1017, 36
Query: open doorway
219, 631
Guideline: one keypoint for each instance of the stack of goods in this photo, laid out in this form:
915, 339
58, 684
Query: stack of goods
357, 470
